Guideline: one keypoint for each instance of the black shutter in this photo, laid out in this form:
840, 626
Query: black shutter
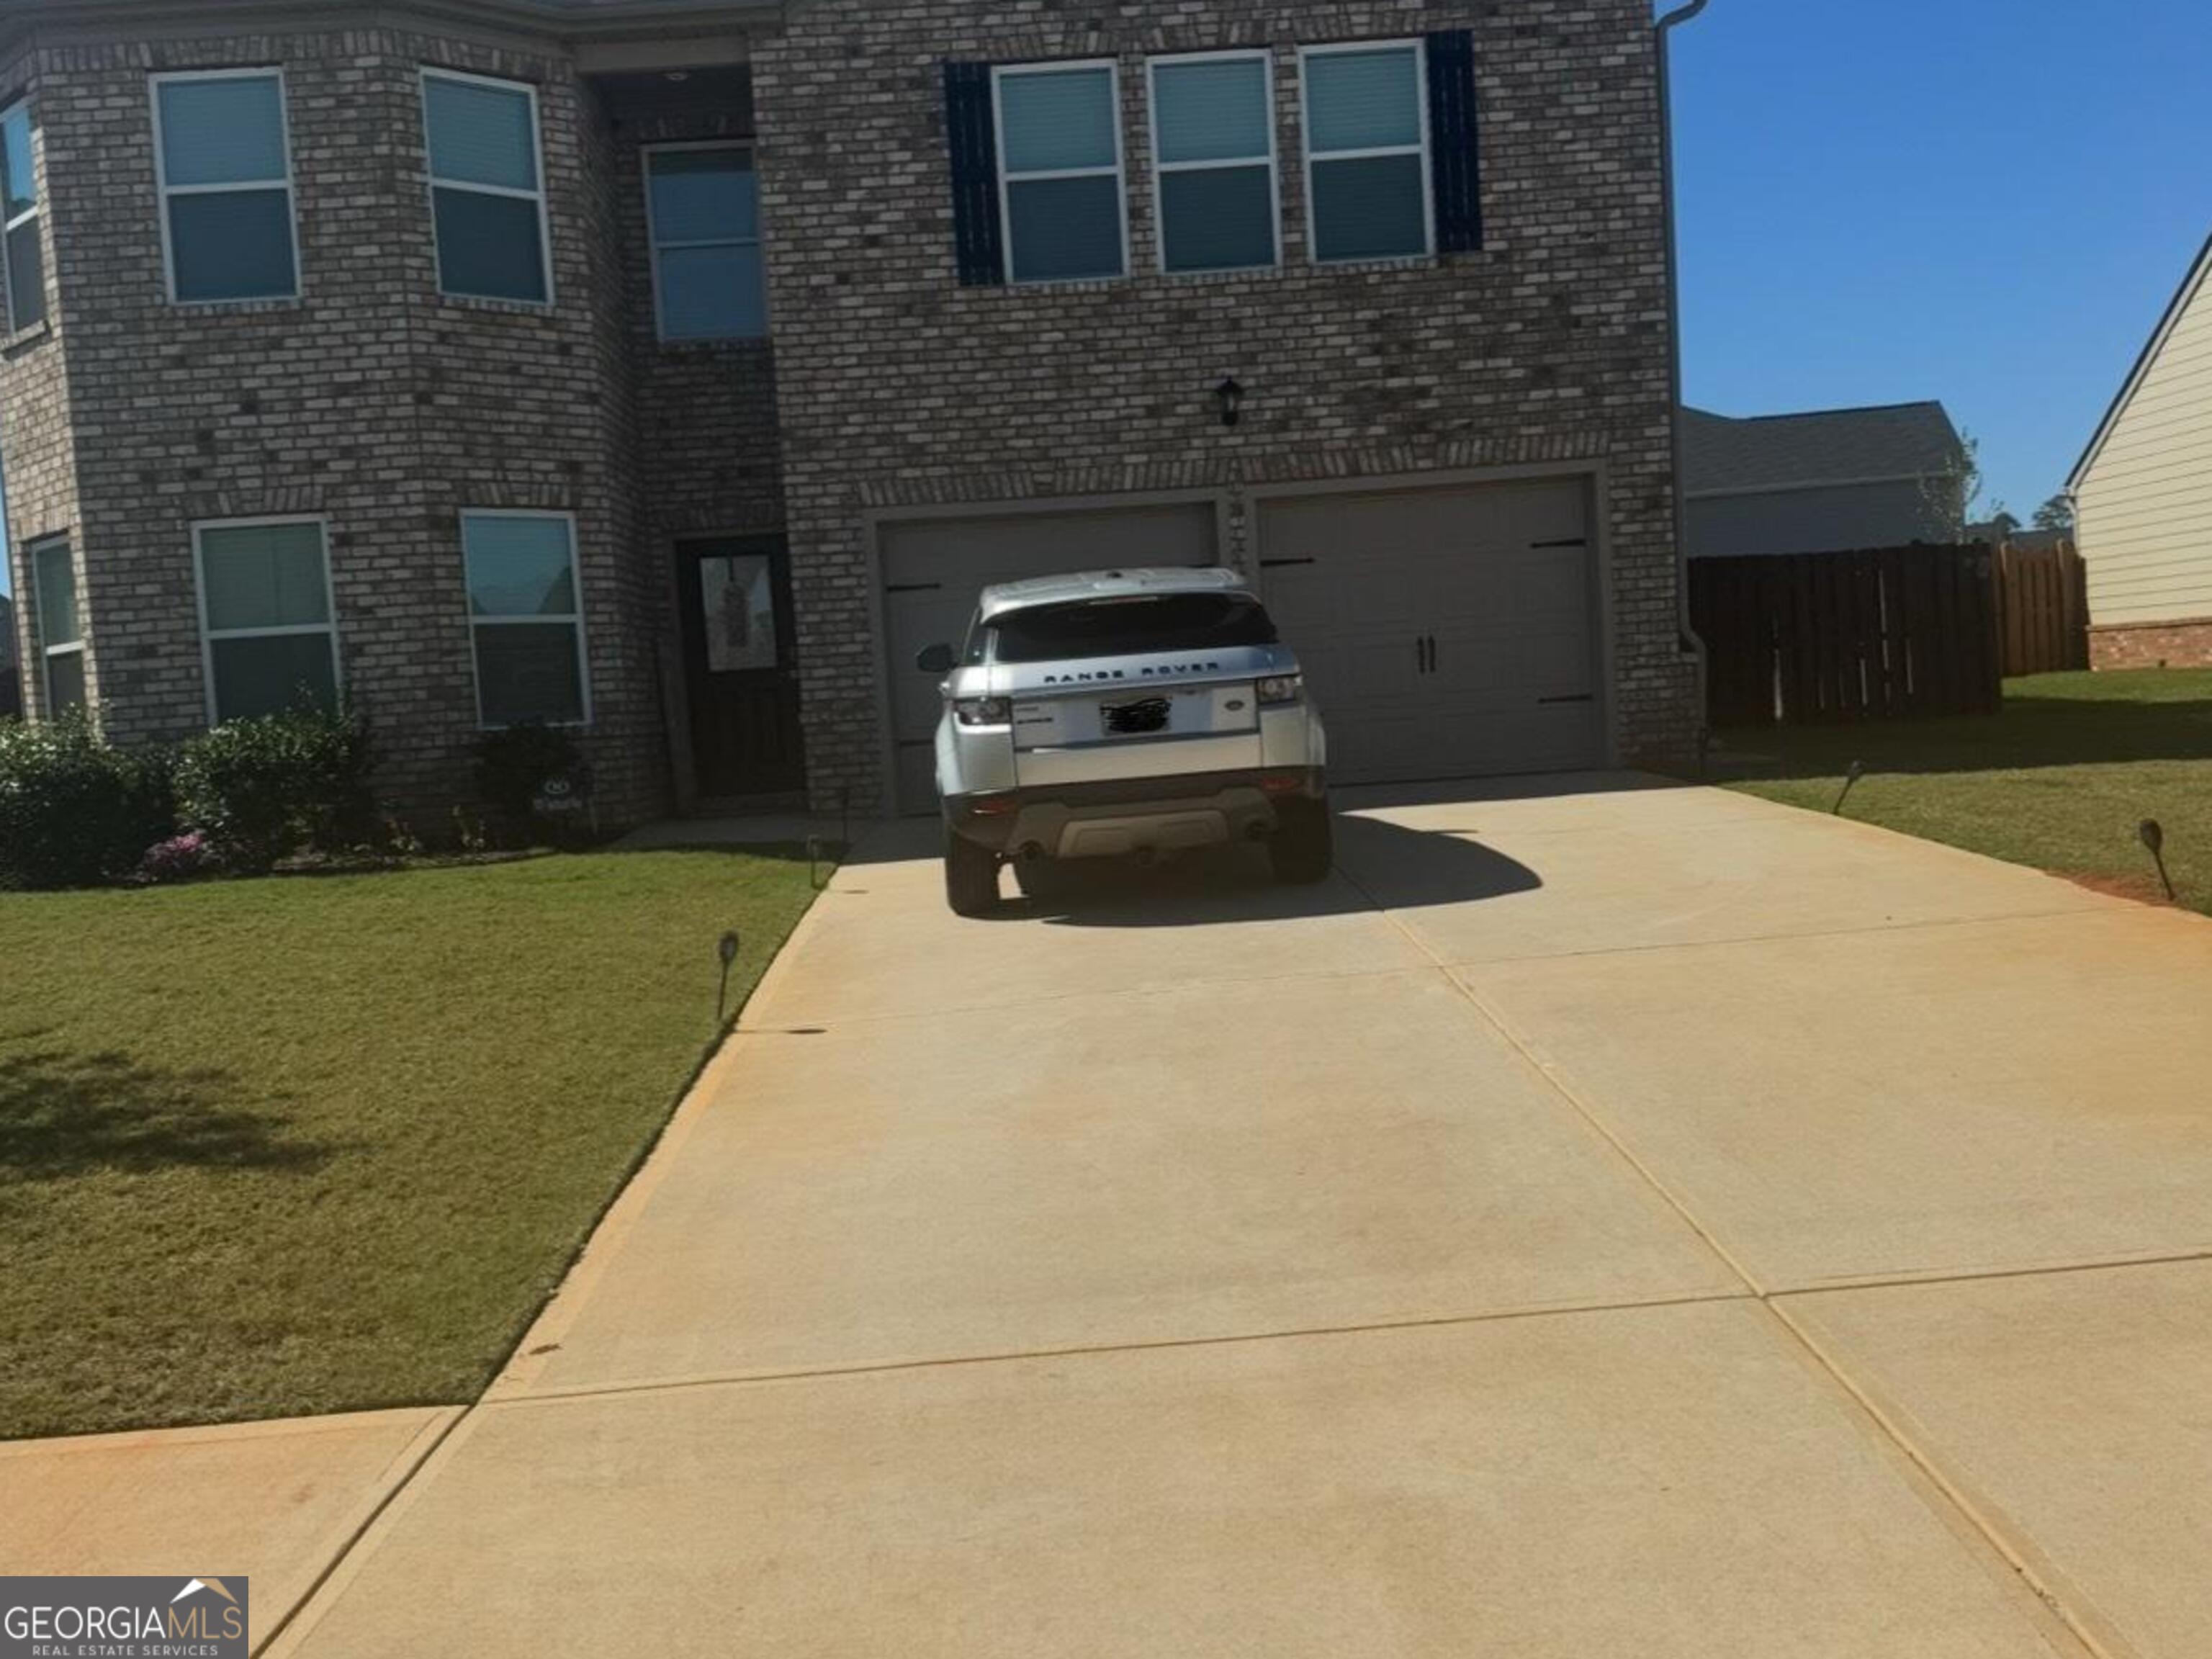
971, 136
1454, 165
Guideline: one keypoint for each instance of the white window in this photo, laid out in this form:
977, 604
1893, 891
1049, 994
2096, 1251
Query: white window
25, 260
1060, 171
702, 209
268, 637
526, 617
487, 187
1213, 150
61, 633
1367, 151
225, 171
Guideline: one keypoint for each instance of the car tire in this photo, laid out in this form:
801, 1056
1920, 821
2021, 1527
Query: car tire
971, 876
1303, 847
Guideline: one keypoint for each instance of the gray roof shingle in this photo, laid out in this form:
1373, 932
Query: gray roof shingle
1722, 455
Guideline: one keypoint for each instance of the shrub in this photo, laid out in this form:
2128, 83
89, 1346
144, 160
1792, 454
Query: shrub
513, 765
261, 790
74, 811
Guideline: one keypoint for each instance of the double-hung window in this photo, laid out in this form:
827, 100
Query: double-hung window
25, 260
267, 630
61, 635
526, 616
1367, 154
221, 158
1060, 171
702, 206
487, 187
1213, 146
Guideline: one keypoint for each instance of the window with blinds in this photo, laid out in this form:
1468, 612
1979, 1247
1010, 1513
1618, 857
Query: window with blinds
487, 187
527, 618
1367, 158
1060, 171
1213, 152
269, 639
61, 633
23, 269
224, 170
702, 208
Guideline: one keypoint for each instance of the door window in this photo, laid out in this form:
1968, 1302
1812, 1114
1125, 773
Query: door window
738, 599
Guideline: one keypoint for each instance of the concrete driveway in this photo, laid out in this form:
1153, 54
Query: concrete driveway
1613, 1219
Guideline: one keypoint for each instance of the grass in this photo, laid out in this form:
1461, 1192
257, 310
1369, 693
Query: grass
2060, 780
316, 1144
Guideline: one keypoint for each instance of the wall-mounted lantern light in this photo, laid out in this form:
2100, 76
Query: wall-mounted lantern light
1232, 399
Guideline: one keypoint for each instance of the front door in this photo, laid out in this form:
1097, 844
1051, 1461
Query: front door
740, 672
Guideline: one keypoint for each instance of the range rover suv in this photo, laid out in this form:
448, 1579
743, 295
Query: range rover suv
1123, 714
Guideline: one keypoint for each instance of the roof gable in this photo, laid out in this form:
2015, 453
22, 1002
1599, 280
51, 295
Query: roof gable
2192, 286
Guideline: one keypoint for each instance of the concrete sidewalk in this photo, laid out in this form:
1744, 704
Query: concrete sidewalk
1607, 1220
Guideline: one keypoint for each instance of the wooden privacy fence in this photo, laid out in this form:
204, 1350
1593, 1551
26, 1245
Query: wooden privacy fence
1895, 634
2044, 593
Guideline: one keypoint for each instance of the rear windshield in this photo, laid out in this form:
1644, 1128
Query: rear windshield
1130, 627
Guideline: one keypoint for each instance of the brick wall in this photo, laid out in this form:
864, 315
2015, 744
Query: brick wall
897, 385
371, 400
2185, 644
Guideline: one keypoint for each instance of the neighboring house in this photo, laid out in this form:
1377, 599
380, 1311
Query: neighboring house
1995, 534
1831, 481
2143, 497
677, 371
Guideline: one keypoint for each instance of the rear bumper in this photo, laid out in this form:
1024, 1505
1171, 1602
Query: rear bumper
1080, 820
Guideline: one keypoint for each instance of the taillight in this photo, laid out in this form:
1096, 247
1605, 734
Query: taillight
982, 711
1279, 688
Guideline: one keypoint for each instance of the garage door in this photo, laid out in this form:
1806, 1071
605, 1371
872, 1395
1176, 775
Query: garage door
933, 569
1446, 633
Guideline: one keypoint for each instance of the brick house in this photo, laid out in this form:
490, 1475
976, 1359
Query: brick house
676, 370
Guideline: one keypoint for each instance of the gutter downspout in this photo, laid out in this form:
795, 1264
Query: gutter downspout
1691, 643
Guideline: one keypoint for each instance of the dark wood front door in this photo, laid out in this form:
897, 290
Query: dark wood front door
739, 668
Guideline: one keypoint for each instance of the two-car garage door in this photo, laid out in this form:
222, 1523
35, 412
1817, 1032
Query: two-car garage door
1445, 632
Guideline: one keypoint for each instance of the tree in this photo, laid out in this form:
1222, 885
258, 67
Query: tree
2056, 513
1951, 495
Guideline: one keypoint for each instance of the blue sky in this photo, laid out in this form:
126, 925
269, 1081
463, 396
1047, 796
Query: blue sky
1989, 202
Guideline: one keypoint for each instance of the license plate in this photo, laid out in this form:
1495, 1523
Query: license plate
1135, 720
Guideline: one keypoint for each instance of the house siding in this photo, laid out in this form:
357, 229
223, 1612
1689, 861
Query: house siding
2144, 504
898, 388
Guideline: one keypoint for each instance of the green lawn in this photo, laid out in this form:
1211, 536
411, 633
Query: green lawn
2059, 779
322, 1143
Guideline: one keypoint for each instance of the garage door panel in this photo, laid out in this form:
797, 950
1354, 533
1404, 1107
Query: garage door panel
934, 569
1500, 577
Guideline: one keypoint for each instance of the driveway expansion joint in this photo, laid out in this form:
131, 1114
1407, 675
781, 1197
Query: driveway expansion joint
525, 1396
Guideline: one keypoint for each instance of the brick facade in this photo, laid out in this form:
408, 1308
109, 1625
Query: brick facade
897, 385
2184, 644
371, 400
386, 409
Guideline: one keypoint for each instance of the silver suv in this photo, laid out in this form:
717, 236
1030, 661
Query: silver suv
1120, 713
